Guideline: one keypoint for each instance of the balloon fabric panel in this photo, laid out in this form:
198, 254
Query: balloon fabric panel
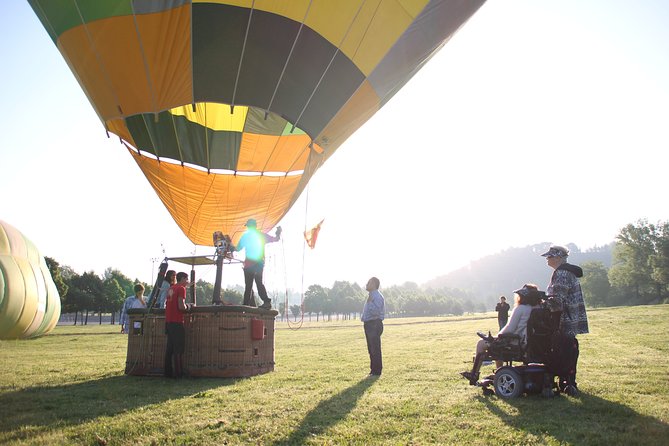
59, 16
422, 39
359, 108
14, 296
42, 295
133, 64
273, 153
214, 116
166, 44
29, 308
262, 123
213, 202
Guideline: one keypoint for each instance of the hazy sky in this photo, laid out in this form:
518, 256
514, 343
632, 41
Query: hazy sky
540, 121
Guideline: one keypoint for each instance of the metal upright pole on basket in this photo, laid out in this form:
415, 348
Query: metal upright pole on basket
159, 281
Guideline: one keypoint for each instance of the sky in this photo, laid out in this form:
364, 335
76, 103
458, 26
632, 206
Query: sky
539, 121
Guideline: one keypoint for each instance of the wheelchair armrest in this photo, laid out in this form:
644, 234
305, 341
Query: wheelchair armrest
486, 337
509, 336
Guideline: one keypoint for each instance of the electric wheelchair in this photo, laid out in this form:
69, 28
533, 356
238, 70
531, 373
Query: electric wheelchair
532, 368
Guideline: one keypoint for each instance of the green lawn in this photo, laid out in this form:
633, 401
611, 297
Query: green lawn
69, 388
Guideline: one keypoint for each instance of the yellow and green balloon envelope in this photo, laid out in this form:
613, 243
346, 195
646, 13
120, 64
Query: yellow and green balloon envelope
230, 106
29, 300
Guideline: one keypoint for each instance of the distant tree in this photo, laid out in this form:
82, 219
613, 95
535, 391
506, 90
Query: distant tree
296, 310
204, 292
82, 293
328, 305
314, 300
457, 309
659, 260
67, 272
344, 298
595, 284
416, 304
394, 300
54, 269
75, 299
90, 285
126, 284
113, 297
639, 261
480, 307
233, 296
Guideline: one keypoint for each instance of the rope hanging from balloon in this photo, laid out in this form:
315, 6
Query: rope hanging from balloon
295, 325
298, 325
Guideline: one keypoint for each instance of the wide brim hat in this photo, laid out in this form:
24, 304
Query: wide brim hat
530, 294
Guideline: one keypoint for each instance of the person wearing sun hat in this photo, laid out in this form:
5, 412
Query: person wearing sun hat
565, 295
253, 242
526, 299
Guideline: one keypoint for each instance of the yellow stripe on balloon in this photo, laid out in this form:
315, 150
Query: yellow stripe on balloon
214, 116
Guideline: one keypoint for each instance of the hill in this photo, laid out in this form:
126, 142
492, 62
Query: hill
499, 274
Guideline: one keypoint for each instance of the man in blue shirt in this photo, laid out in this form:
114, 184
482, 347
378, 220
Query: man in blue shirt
372, 317
253, 242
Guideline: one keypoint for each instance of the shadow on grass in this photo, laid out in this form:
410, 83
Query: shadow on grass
586, 419
31, 411
328, 413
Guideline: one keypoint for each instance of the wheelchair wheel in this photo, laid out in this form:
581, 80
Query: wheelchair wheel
508, 383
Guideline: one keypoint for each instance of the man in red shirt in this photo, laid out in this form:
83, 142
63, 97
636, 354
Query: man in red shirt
175, 307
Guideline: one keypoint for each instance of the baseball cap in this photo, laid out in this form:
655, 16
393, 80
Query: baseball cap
556, 251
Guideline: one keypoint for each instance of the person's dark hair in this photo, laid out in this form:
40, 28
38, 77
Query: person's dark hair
376, 281
181, 275
169, 274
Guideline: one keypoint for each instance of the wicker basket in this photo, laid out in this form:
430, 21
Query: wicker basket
228, 341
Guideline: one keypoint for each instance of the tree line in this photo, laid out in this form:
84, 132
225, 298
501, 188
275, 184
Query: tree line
638, 274
89, 294
639, 271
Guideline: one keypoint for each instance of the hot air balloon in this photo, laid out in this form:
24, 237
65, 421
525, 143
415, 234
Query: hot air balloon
29, 300
229, 107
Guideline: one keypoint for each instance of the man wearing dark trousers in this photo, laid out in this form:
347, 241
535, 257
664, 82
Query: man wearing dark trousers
253, 242
502, 310
175, 307
566, 297
372, 317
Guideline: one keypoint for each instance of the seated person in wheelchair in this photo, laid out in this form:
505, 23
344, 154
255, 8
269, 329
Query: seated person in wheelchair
527, 298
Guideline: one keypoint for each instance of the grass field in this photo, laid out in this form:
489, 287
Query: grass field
69, 388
